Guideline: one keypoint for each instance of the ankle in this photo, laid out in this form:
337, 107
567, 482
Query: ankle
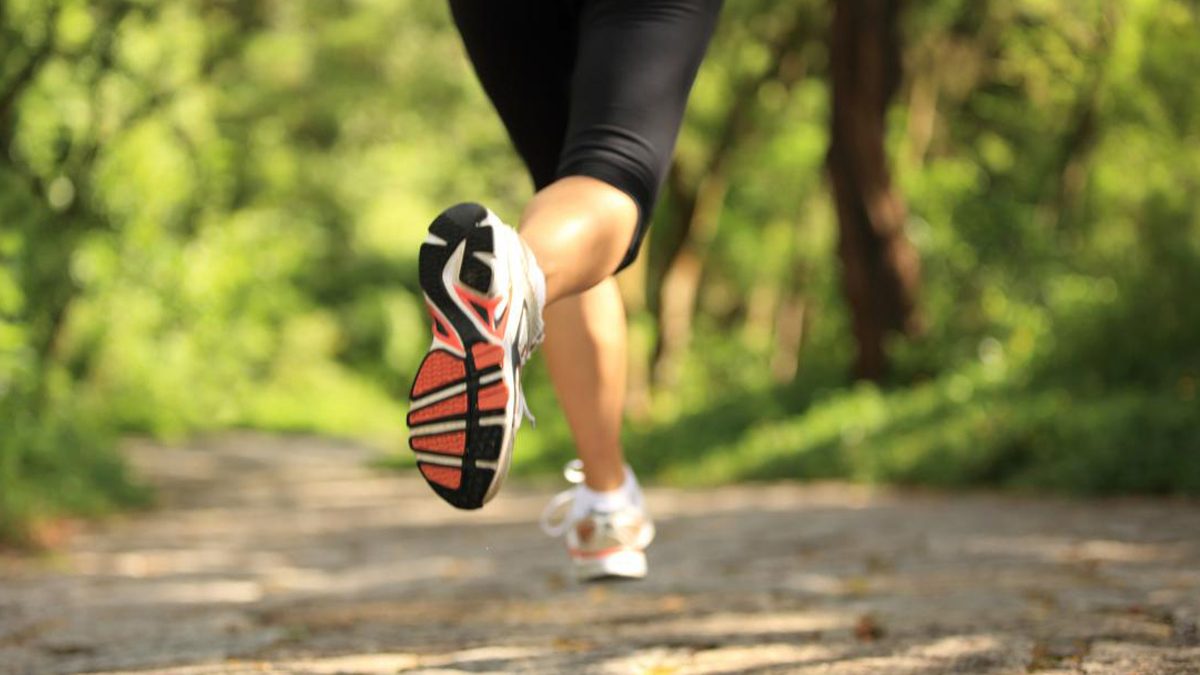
606, 482
607, 501
624, 493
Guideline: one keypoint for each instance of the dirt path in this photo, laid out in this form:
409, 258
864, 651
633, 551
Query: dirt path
286, 555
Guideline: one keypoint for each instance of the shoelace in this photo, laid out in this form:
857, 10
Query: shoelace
525, 411
527, 342
562, 502
528, 345
573, 472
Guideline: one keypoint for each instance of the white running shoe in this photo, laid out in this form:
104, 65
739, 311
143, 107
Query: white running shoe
602, 545
466, 401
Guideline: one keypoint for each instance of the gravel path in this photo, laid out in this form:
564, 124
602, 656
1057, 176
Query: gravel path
289, 555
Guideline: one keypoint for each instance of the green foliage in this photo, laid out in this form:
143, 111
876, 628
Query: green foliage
209, 215
57, 464
1052, 199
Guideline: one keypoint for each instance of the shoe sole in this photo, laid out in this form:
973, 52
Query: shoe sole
463, 408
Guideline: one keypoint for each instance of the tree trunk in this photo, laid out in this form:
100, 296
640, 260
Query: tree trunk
681, 281
788, 338
880, 267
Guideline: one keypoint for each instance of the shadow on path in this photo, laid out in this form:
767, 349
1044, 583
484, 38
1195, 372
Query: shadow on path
290, 555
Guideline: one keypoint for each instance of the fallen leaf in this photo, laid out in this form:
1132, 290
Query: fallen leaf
868, 629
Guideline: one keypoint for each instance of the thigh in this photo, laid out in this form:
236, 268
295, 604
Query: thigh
634, 68
523, 52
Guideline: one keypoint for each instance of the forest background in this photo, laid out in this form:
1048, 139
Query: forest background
950, 243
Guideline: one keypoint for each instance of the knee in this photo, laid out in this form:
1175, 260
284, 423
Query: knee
620, 158
578, 205
624, 160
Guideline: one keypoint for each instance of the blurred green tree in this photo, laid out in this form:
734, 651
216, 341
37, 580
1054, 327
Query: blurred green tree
209, 214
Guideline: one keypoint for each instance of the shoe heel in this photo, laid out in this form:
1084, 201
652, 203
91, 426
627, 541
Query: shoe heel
455, 224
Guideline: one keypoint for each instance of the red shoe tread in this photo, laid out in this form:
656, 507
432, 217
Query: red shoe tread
446, 476
487, 355
454, 443
438, 370
494, 397
455, 405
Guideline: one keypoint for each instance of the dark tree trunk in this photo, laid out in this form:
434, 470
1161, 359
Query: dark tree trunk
880, 267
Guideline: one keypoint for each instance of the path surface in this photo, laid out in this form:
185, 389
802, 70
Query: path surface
286, 555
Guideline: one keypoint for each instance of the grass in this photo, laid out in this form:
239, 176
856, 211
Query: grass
57, 465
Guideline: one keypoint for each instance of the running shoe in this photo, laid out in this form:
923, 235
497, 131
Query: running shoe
466, 401
602, 545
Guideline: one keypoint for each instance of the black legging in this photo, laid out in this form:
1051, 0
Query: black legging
590, 87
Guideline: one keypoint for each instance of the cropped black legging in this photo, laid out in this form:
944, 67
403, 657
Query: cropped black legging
590, 87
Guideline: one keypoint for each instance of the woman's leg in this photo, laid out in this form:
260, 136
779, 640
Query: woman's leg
579, 229
585, 352
634, 68
592, 101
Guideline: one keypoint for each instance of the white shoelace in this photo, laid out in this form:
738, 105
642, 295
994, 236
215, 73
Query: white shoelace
525, 411
573, 472
528, 344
